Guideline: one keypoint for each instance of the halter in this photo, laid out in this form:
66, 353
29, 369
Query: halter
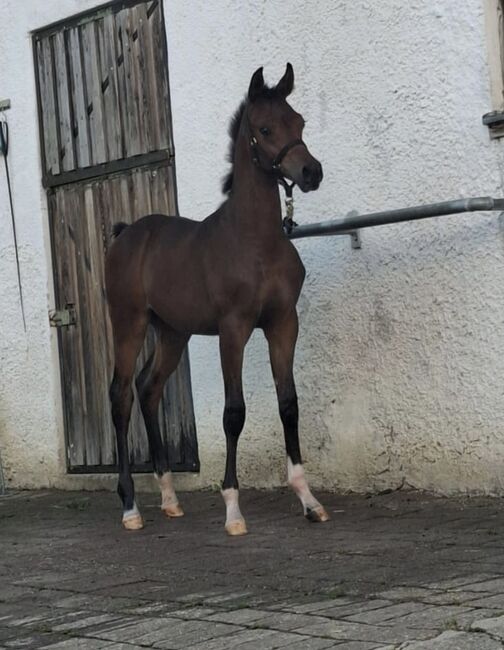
288, 222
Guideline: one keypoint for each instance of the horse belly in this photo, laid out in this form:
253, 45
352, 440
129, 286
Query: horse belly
185, 310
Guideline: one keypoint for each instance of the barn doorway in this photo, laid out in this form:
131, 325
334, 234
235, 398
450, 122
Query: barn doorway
107, 156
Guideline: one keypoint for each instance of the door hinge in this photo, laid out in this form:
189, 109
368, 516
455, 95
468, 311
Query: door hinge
63, 317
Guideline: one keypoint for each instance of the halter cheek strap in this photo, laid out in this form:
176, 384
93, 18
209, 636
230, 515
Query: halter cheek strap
288, 222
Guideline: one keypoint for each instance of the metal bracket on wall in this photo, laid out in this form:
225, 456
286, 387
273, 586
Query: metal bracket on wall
355, 238
4, 104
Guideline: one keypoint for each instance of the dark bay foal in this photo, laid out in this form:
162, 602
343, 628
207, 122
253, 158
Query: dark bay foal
231, 273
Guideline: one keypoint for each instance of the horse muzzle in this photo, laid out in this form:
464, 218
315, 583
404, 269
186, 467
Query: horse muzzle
311, 176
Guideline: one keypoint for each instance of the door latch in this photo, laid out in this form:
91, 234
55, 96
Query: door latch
63, 317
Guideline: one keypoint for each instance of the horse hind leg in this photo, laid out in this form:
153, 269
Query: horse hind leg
128, 338
150, 383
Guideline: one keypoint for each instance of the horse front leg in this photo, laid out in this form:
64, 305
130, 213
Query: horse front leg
282, 336
233, 337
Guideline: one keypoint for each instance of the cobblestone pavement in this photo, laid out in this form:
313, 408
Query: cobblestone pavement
396, 571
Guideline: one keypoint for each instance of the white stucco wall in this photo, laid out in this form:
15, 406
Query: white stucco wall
399, 364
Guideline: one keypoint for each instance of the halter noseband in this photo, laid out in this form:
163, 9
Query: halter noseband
277, 160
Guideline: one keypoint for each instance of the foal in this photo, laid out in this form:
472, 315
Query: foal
231, 273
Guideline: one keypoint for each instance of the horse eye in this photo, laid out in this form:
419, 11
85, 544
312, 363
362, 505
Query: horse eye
264, 130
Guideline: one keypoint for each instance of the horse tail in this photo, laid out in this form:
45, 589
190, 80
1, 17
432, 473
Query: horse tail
118, 228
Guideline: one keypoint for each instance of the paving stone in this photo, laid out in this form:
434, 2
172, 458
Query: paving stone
407, 593
348, 631
495, 586
45, 579
490, 602
434, 617
460, 581
242, 640
192, 613
363, 645
316, 606
450, 597
168, 632
354, 608
85, 622
78, 644
316, 643
273, 640
229, 599
285, 621
15, 592
153, 609
452, 640
239, 616
494, 626
95, 603
32, 641
387, 613
7, 633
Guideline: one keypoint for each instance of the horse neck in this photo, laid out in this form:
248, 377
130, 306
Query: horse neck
255, 199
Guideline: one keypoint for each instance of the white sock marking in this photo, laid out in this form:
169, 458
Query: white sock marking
128, 514
298, 482
230, 496
168, 494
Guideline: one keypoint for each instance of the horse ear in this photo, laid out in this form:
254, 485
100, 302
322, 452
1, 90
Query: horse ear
256, 85
286, 83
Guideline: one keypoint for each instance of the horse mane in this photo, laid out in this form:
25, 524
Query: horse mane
234, 130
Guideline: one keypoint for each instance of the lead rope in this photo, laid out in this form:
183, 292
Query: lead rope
288, 222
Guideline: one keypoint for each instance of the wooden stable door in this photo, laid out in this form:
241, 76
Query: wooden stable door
107, 156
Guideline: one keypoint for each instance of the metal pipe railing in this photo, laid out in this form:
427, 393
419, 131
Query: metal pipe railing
350, 224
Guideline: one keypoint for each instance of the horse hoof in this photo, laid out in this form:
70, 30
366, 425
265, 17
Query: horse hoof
173, 511
318, 514
133, 522
235, 528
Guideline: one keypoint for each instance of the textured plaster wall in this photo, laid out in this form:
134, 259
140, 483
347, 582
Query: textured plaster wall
399, 364
31, 434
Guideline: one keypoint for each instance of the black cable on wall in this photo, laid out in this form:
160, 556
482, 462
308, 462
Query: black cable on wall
4, 149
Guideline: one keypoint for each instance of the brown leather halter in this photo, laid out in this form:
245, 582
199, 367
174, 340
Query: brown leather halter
288, 222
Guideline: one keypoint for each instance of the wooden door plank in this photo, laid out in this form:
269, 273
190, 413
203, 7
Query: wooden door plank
94, 339
80, 240
79, 102
163, 96
150, 63
103, 212
70, 337
122, 82
111, 113
138, 18
67, 153
47, 98
94, 93
130, 95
